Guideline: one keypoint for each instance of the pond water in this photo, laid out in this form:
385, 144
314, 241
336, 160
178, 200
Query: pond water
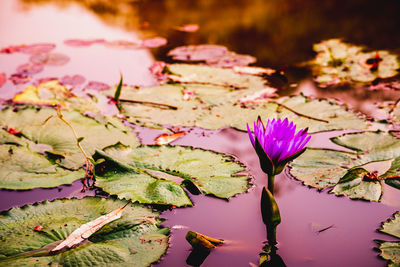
277, 35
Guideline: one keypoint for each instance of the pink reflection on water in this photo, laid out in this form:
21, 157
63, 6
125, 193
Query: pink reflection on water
46, 23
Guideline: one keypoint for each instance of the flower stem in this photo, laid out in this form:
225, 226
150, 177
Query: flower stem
271, 179
271, 235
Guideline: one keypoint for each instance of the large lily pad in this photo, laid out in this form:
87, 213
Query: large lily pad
299, 109
154, 174
24, 169
390, 250
54, 93
211, 102
322, 168
42, 126
135, 239
338, 62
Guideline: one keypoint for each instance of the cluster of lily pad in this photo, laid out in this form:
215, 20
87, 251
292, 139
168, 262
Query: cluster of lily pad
339, 63
39, 150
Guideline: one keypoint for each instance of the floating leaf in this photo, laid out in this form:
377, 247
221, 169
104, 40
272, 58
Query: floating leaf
390, 250
72, 80
152, 174
353, 186
253, 70
208, 109
135, 238
37, 48
80, 42
52, 59
198, 52
154, 42
29, 49
164, 139
232, 59
22, 169
43, 127
98, 86
86, 230
29, 68
338, 63
299, 109
392, 226
322, 168
53, 93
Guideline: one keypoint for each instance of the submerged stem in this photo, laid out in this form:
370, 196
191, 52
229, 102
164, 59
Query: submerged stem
89, 167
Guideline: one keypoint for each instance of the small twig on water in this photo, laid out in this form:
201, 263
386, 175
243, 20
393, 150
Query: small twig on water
326, 228
300, 114
148, 103
89, 166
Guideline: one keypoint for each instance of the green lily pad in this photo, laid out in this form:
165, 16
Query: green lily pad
373, 146
211, 107
353, 186
299, 109
42, 126
338, 62
390, 250
322, 168
392, 226
155, 174
23, 169
135, 239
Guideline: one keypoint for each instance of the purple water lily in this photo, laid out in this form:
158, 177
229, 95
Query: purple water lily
276, 144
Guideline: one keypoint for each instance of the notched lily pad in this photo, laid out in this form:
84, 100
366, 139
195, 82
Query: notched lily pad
322, 168
42, 126
155, 174
135, 239
354, 186
207, 97
20, 168
339, 63
43, 152
390, 250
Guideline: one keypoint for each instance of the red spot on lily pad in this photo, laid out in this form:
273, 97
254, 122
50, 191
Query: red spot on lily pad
154, 42
10, 49
53, 59
98, 86
38, 228
3, 79
29, 68
13, 131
